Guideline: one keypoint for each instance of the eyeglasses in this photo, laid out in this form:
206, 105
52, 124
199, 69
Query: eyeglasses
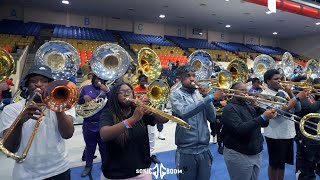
122, 92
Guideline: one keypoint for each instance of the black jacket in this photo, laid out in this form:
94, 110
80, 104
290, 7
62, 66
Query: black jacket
241, 127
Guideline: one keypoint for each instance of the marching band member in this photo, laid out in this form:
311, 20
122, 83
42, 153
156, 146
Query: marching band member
90, 127
124, 129
256, 86
143, 88
47, 155
242, 136
193, 156
308, 150
280, 132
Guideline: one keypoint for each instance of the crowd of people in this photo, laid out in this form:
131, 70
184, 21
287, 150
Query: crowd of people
124, 129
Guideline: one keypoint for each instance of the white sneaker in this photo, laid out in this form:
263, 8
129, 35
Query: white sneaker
214, 140
161, 136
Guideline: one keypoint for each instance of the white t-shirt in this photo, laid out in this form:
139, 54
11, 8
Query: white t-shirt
279, 127
47, 155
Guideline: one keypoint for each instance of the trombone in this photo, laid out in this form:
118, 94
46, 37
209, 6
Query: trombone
61, 95
303, 122
181, 122
264, 102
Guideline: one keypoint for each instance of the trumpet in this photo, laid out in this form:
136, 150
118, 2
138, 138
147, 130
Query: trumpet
60, 96
181, 122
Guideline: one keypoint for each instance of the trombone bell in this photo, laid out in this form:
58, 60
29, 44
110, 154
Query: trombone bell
302, 126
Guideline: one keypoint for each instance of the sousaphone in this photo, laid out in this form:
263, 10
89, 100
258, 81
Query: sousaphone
262, 64
202, 62
109, 62
312, 69
61, 57
7, 66
239, 70
287, 64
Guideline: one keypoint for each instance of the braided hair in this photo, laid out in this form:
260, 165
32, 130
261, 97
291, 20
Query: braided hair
115, 108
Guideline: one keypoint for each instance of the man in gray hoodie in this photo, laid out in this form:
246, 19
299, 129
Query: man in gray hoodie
193, 156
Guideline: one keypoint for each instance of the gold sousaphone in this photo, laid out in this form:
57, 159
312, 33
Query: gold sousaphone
7, 66
148, 64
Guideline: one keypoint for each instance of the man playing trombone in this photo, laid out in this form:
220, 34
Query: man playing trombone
308, 150
47, 154
242, 135
193, 156
281, 131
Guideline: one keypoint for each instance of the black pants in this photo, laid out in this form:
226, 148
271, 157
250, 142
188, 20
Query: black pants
63, 176
216, 130
160, 126
307, 159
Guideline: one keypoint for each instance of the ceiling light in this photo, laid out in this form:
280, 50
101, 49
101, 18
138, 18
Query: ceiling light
65, 2
269, 12
227, 26
227, 0
274, 33
317, 23
200, 33
162, 16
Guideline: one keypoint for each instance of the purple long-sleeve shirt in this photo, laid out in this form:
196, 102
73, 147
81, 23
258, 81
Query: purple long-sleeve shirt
93, 92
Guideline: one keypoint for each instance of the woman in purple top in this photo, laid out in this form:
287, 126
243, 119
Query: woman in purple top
90, 126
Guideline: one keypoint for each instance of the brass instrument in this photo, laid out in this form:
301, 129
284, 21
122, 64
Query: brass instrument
261, 64
7, 64
301, 121
202, 62
312, 69
181, 122
59, 96
307, 85
287, 64
109, 62
61, 57
158, 93
148, 64
302, 126
239, 70
224, 80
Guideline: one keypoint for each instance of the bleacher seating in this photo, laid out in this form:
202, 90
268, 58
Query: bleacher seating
73, 32
264, 49
19, 28
233, 47
132, 38
192, 43
9, 41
